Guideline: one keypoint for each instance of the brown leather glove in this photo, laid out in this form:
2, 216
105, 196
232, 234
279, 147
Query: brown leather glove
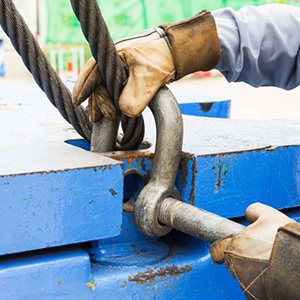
247, 254
154, 59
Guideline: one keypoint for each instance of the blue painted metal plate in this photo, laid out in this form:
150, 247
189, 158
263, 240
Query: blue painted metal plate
51, 193
46, 274
186, 272
200, 105
226, 184
228, 164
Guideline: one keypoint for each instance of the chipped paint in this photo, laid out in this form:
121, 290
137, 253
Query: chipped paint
113, 192
138, 251
139, 161
159, 272
183, 167
221, 168
193, 183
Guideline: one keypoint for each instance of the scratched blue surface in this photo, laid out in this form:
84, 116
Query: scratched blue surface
226, 184
59, 208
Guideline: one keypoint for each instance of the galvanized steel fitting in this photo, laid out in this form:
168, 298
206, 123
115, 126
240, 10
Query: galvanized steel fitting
169, 137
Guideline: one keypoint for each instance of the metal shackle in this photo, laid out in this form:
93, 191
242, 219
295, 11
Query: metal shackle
169, 137
157, 209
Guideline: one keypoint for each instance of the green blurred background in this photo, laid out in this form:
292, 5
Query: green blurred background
127, 17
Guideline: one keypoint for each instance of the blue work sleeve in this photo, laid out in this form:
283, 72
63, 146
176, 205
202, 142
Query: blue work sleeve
260, 45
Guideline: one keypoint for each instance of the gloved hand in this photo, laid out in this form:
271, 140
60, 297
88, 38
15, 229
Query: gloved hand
247, 254
152, 60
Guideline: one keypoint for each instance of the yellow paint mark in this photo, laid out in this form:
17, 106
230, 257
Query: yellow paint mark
91, 285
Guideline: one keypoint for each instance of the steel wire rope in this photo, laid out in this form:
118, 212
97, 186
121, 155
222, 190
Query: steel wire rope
111, 67
38, 65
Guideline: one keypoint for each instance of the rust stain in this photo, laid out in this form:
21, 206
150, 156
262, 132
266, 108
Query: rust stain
143, 164
193, 183
128, 207
183, 167
133, 172
140, 156
143, 261
129, 160
151, 274
120, 155
138, 251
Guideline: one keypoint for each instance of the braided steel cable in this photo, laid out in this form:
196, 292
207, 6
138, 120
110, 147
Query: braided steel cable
38, 65
111, 67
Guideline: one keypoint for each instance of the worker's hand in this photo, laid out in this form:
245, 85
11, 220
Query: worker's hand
90, 85
247, 254
153, 59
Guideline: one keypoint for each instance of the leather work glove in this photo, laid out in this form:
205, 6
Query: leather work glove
247, 254
153, 59
89, 85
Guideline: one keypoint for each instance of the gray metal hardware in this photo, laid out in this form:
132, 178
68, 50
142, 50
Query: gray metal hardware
169, 135
157, 209
104, 135
196, 222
